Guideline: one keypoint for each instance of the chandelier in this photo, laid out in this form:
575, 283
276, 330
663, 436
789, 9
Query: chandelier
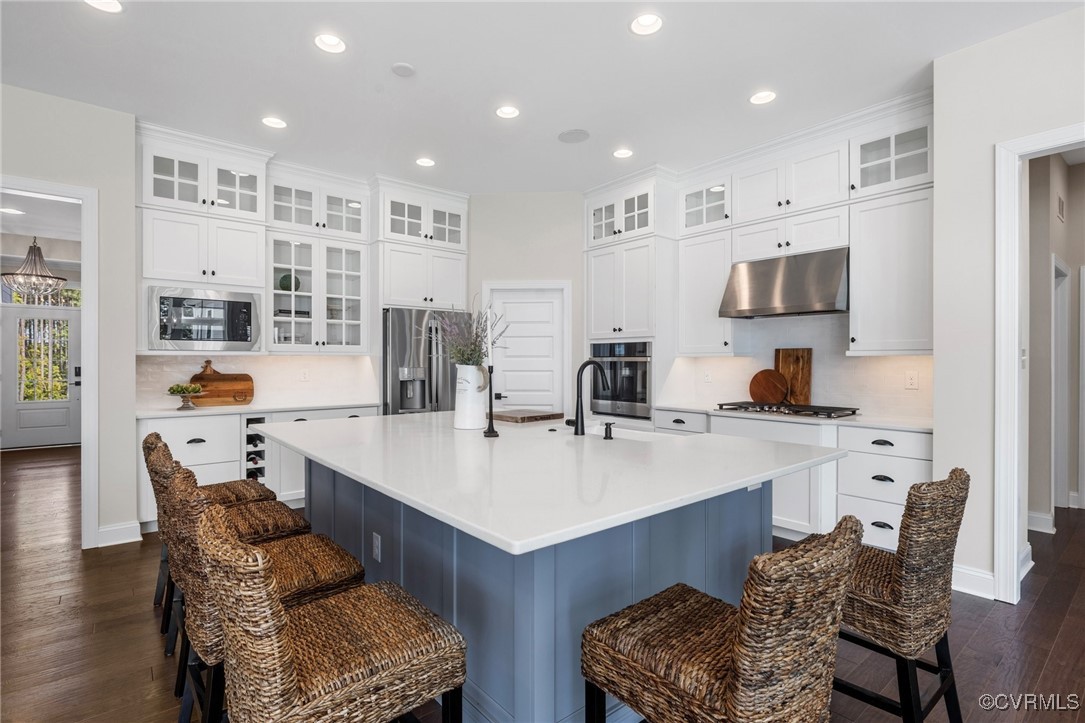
34, 277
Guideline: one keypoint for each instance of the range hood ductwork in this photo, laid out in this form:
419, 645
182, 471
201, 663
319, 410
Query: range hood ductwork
812, 283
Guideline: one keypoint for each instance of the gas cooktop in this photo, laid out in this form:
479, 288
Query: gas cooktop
798, 410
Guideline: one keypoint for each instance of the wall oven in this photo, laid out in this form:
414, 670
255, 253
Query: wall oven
202, 320
629, 373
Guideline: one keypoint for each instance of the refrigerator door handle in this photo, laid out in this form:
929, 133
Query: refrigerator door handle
441, 364
431, 370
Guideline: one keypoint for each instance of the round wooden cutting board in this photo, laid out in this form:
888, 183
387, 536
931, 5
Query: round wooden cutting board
768, 386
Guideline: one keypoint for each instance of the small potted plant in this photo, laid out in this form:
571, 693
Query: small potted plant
470, 339
185, 392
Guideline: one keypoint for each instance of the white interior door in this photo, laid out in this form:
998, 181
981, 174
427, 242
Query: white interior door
40, 376
529, 362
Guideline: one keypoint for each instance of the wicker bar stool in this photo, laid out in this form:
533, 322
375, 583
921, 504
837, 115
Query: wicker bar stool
682, 655
900, 603
307, 567
371, 653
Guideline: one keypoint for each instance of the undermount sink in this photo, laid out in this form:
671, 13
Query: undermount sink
633, 434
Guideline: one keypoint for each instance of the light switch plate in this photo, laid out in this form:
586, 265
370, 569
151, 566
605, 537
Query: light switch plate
911, 380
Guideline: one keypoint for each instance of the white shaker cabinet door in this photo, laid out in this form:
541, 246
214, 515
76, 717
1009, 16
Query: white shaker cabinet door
603, 293
817, 230
406, 276
817, 178
174, 246
704, 264
759, 193
236, 253
637, 300
760, 241
448, 280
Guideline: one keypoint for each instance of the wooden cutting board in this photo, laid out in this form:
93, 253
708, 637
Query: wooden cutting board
220, 390
795, 365
768, 386
519, 416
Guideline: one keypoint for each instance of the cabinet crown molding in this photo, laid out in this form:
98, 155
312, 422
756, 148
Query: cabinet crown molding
212, 146
383, 183
315, 175
644, 174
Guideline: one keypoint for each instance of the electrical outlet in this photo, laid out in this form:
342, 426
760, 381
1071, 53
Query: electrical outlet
911, 380
376, 547
304, 375
707, 377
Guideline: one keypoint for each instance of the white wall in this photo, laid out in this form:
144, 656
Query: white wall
530, 236
1075, 258
276, 380
1018, 84
59, 140
874, 384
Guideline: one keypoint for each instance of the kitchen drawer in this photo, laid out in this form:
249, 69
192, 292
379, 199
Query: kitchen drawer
917, 445
310, 415
773, 431
681, 421
875, 516
879, 476
200, 440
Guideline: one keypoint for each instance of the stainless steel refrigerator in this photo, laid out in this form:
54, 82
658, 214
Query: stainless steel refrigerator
418, 376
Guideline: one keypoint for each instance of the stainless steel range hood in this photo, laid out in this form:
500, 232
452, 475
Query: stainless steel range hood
813, 283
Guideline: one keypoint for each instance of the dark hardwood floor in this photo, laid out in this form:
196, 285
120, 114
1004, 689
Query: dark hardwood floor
79, 637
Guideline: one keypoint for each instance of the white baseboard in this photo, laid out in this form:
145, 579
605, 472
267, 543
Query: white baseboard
146, 527
1041, 522
1024, 562
974, 581
1075, 500
119, 534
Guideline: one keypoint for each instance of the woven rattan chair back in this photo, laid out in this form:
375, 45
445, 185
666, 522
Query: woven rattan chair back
784, 652
923, 569
150, 442
261, 681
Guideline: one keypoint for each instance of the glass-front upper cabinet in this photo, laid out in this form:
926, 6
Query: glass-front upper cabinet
292, 204
706, 206
344, 213
447, 227
292, 293
344, 300
403, 218
603, 223
237, 191
888, 161
178, 178
306, 203
636, 214
173, 179
621, 215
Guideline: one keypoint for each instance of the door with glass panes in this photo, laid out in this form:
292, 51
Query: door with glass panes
343, 318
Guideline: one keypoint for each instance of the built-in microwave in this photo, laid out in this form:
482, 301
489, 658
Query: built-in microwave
628, 369
202, 320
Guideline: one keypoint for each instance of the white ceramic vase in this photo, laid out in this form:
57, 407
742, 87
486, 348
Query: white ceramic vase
472, 386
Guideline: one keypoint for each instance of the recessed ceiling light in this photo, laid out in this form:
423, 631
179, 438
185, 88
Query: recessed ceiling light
623, 153
14, 211
403, 70
762, 97
646, 24
716, 189
330, 43
574, 135
273, 122
108, 6
507, 111
354, 204
426, 162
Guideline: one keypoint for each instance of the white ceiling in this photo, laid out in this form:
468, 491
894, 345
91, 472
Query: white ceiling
45, 217
677, 98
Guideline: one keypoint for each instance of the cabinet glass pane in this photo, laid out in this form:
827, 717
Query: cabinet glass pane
188, 171
873, 175
642, 202
282, 252
398, 226
227, 178
694, 200
440, 217
335, 222
398, 209
414, 213
353, 224
352, 285
913, 165
630, 205
718, 212
189, 192
874, 151
335, 204
162, 166
247, 202
414, 228
247, 182
910, 141
283, 213
694, 218
439, 233
163, 188
642, 219
454, 220
335, 259
715, 194
354, 262
226, 198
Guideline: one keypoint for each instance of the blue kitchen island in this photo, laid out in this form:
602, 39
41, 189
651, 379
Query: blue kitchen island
522, 540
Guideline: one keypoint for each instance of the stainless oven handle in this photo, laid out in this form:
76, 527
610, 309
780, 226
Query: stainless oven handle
622, 358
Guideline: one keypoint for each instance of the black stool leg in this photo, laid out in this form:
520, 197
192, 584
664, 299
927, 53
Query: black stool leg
185, 715
911, 705
213, 694
595, 703
163, 573
177, 620
945, 665
182, 666
167, 607
452, 706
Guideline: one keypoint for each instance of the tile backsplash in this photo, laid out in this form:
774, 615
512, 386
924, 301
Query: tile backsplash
276, 379
874, 384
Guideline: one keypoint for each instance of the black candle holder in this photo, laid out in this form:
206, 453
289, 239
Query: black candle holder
490, 431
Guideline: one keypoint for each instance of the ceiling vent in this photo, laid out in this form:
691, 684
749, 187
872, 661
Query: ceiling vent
576, 135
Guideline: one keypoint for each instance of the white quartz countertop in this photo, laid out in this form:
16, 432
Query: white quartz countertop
531, 488
906, 424
168, 408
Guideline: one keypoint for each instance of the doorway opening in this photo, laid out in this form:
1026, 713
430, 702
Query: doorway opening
49, 342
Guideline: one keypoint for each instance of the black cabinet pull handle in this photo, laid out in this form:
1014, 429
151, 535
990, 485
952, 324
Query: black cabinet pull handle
678, 421
882, 443
196, 440
779, 203
853, 340
301, 419
353, 416
853, 186
883, 525
882, 478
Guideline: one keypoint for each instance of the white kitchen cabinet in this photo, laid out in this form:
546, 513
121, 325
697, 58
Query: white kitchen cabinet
319, 295
622, 215
621, 290
802, 233
189, 179
704, 263
705, 206
423, 277
285, 468
320, 206
809, 179
206, 251
891, 159
419, 218
891, 283
803, 502
680, 422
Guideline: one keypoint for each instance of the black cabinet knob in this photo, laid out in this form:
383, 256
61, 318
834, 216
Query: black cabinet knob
212, 203
853, 186
323, 343
787, 243
323, 225
727, 343
779, 246
788, 202
614, 328
853, 340
204, 272
212, 272
727, 215
779, 203
619, 328
317, 224
204, 202
619, 230
353, 416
